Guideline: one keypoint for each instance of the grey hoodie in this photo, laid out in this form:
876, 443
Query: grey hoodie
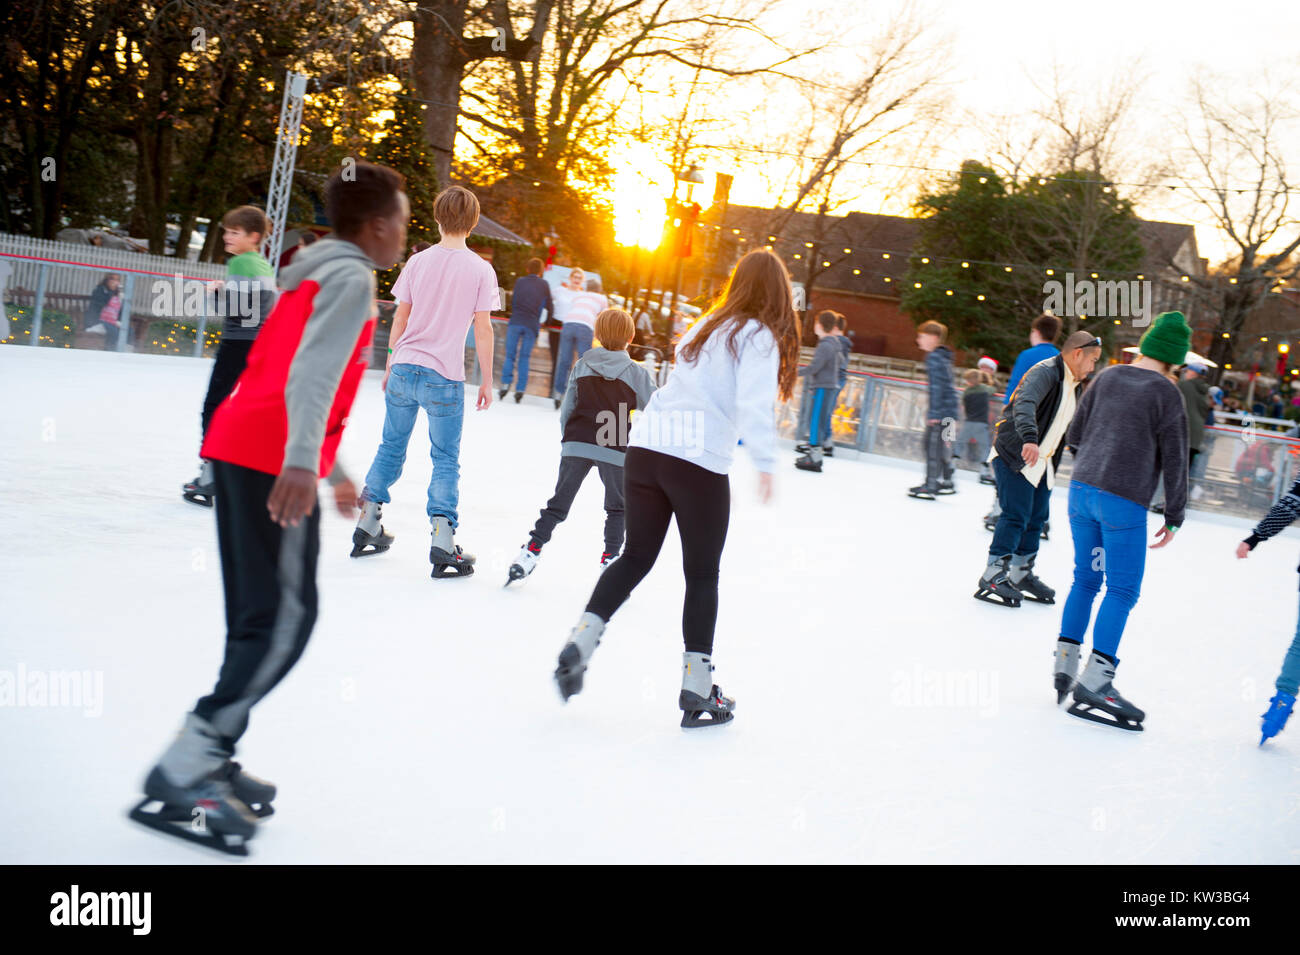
595, 416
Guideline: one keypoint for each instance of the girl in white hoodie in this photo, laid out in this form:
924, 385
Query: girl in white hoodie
730, 368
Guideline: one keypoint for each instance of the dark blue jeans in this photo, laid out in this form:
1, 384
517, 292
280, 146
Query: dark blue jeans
1024, 511
517, 335
1109, 544
575, 341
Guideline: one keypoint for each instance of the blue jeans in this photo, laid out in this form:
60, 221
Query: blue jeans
410, 388
575, 341
823, 405
1110, 543
514, 335
1288, 681
1024, 511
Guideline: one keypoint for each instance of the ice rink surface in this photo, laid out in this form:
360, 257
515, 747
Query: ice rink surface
883, 715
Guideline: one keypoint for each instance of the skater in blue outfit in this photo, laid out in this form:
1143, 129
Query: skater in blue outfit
1279, 517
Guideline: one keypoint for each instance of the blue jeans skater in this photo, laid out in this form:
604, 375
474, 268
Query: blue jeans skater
1110, 543
575, 341
517, 337
410, 388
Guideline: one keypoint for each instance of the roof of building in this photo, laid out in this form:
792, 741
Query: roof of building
491, 229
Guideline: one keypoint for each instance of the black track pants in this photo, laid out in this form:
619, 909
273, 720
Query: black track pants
232, 358
269, 573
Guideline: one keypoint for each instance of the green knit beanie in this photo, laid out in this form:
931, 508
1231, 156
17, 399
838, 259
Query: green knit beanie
1168, 339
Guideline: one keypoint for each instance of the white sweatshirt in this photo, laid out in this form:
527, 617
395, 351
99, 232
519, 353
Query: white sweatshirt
709, 404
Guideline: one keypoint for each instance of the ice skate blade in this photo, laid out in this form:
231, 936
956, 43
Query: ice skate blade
989, 596
697, 719
1095, 715
1039, 600
176, 822
445, 571
921, 495
944, 491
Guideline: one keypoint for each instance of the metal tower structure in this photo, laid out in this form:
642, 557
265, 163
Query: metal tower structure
286, 151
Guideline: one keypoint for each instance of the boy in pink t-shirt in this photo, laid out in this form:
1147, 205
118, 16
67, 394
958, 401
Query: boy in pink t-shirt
440, 292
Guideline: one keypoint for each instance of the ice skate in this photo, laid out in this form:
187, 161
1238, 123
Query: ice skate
1279, 709
802, 448
557, 404
1023, 578
501, 395
1066, 669
583, 640
254, 793
1096, 699
701, 700
995, 584
1047, 526
519, 396
828, 452
202, 490
525, 562
445, 555
369, 536
608, 557
811, 461
923, 491
189, 793
986, 477
947, 487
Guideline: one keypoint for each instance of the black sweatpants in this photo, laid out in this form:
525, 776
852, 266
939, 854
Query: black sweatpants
232, 358
660, 487
269, 573
573, 470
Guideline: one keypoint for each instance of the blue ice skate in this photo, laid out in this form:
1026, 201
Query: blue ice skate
1275, 719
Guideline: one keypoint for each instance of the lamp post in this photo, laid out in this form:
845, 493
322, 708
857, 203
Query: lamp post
692, 177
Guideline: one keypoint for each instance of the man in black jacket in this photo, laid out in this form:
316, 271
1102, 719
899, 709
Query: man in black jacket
1030, 440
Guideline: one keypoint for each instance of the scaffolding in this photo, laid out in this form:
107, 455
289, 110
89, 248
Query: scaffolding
286, 151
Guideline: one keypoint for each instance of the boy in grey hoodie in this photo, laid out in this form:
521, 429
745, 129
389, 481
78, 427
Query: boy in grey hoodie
821, 377
595, 418
941, 415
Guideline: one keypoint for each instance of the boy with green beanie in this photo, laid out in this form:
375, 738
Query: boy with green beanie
1129, 430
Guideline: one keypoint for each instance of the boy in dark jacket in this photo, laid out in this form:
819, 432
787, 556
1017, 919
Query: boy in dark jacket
941, 415
605, 386
822, 378
1029, 444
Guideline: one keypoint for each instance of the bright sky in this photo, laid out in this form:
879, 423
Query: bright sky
999, 49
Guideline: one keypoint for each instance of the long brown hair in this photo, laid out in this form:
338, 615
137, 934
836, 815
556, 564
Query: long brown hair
759, 288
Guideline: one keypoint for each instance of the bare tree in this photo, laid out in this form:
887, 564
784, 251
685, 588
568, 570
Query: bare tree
1238, 175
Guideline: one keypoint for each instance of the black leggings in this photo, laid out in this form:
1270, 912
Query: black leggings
659, 487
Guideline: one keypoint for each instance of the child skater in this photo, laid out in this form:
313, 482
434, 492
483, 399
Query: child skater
730, 367
822, 376
270, 442
1279, 517
248, 295
941, 412
440, 293
603, 389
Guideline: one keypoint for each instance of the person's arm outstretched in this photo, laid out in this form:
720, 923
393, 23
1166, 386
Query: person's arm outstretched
1279, 517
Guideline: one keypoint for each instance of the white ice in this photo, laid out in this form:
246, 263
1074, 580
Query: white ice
883, 715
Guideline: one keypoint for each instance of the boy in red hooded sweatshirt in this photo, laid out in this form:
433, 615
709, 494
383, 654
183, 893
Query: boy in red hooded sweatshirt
270, 442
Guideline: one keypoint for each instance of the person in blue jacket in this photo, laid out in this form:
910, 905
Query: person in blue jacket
529, 300
941, 412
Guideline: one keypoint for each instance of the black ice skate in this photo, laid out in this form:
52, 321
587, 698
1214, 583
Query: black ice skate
1047, 526
829, 452
1096, 699
1066, 668
202, 490
519, 396
1023, 578
501, 395
445, 555
583, 640
946, 487
811, 461
701, 701
254, 793
986, 477
207, 813
923, 491
369, 537
526, 562
995, 585
608, 557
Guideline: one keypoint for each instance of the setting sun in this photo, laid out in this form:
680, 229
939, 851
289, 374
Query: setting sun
641, 183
